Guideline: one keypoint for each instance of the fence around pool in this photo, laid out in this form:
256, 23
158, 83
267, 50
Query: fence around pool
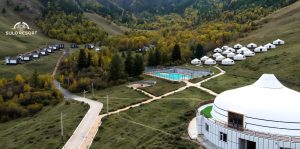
176, 74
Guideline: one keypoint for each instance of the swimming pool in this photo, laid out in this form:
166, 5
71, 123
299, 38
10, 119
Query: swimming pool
172, 76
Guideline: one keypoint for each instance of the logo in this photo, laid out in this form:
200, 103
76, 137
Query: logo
21, 29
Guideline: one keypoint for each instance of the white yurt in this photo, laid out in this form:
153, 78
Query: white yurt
278, 42
242, 50
239, 57
227, 61
251, 45
238, 46
225, 47
270, 46
260, 49
204, 58
231, 49
216, 54
230, 55
249, 53
217, 50
226, 52
196, 61
210, 62
220, 58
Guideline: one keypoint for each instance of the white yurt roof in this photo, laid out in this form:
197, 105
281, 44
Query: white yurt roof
210, 61
231, 54
216, 54
225, 47
238, 45
220, 58
226, 52
231, 49
251, 45
260, 49
217, 50
270, 45
278, 41
204, 58
239, 57
267, 106
249, 53
196, 61
227, 60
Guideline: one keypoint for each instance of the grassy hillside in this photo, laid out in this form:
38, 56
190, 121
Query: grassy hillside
10, 45
283, 61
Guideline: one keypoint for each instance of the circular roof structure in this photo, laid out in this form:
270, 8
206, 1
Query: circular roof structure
267, 106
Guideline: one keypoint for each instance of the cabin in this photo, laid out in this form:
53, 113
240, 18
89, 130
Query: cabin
35, 55
49, 50
26, 57
89, 46
12, 60
74, 45
44, 52
61, 46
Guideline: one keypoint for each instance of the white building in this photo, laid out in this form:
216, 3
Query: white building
217, 50
270, 46
239, 57
251, 45
264, 115
230, 55
278, 42
238, 46
196, 61
210, 62
260, 49
217, 54
204, 58
220, 58
227, 61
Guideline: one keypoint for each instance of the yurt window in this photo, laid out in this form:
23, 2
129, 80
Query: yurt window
235, 120
223, 136
206, 127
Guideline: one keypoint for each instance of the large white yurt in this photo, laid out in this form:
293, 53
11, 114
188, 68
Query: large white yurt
239, 57
263, 115
216, 54
249, 53
217, 50
196, 61
225, 47
227, 61
270, 46
220, 58
230, 55
238, 46
204, 58
210, 62
251, 45
278, 42
226, 52
260, 49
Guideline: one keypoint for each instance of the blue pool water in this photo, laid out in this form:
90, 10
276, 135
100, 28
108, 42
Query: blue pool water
172, 76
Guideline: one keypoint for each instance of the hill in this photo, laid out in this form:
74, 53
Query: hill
282, 61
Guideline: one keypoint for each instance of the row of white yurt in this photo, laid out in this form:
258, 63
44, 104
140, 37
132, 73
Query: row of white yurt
196, 61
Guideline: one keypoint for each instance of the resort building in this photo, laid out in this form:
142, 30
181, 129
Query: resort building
264, 115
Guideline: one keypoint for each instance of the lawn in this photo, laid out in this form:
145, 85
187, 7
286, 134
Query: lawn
161, 124
162, 86
118, 97
43, 65
207, 112
43, 130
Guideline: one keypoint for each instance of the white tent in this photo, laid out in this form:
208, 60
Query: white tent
270, 46
238, 46
260, 49
196, 61
242, 50
231, 49
249, 53
217, 50
226, 52
220, 58
227, 61
278, 42
225, 47
251, 45
210, 62
216, 54
204, 58
239, 57
230, 55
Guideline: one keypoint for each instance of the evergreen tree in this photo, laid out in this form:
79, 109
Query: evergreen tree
89, 60
116, 71
128, 63
138, 66
151, 58
35, 79
157, 57
199, 51
176, 53
3, 10
81, 62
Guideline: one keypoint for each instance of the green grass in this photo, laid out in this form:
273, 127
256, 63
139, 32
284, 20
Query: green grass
162, 86
282, 61
43, 65
207, 112
118, 96
166, 123
43, 130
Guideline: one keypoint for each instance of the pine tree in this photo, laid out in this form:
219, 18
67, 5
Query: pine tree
138, 66
89, 60
199, 51
116, 71
35, 79
157, 57
151, 58
81, 62
176, 53
128, 63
